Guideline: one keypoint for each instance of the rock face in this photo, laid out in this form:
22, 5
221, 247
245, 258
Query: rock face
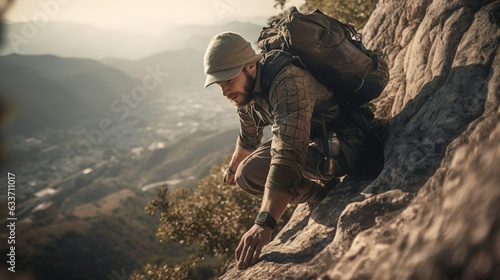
434, 210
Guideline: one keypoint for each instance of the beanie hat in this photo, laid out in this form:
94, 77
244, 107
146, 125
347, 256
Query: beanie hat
225, 57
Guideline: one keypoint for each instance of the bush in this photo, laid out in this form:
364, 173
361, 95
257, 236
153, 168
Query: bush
211, 218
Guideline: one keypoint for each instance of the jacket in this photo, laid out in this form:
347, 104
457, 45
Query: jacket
293, 108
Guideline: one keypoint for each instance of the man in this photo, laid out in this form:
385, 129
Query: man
288, 168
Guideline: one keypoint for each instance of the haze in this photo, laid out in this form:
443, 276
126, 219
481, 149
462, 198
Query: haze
147, 16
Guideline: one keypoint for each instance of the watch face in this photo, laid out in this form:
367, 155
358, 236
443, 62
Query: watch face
265, 219
261, 218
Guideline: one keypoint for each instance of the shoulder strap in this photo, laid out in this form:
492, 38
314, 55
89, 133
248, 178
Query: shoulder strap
274, 62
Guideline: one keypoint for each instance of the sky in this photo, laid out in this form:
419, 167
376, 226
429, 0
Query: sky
150, 16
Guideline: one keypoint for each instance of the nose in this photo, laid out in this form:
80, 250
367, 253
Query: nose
225, 90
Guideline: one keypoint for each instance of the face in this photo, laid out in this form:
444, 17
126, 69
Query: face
239, 90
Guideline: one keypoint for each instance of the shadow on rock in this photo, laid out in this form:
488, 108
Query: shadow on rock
421, 132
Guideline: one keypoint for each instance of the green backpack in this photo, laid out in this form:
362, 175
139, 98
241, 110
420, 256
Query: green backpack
332, 51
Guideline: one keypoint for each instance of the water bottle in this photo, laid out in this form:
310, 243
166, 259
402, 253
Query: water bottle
333, 150
333, 144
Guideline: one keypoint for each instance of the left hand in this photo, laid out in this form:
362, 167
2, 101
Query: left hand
228, 176
251, 244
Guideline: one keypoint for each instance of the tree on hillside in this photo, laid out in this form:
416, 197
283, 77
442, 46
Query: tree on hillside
354, 12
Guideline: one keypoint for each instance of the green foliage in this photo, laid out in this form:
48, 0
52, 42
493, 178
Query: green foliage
212, 218
152, 271
355, 12
280, 3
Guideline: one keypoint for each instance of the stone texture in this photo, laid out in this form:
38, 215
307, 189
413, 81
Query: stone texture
434, 210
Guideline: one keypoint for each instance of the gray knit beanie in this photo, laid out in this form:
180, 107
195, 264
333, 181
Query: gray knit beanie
225, 57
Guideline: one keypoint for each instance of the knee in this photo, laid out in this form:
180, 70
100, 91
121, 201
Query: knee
241, 176
246, 178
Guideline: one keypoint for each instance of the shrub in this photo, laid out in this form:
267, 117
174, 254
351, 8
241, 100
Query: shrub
212, 218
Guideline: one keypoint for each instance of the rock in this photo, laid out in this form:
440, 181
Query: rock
434, 210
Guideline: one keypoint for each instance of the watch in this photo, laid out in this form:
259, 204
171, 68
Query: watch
265, 219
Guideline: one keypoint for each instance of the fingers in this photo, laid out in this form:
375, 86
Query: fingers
246, 256
256, 254
238, 251
245, 250
242, 249
248, 251
228, 178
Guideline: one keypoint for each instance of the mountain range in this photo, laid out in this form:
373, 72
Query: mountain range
80, 40
63, 73
66, 77
184, 67
50, 91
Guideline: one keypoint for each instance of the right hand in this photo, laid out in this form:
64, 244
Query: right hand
251, 244
228, 176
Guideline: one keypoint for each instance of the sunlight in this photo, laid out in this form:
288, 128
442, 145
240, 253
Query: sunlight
151, 16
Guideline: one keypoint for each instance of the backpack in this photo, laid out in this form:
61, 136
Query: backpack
332, 51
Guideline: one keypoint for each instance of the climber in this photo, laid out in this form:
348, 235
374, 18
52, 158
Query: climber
291, 167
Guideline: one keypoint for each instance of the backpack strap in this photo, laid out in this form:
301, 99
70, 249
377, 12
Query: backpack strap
274, 62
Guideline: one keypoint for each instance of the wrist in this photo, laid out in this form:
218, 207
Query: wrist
264, 219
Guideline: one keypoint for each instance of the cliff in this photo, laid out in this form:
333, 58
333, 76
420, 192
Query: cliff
433, 211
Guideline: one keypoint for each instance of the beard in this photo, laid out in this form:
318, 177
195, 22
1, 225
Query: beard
248, 89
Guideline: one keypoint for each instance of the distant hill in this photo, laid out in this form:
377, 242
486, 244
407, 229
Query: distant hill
185, 62
72, 40
185, 67
80, 40
40, 102
56, 92
198, 36
52, 67
191, 156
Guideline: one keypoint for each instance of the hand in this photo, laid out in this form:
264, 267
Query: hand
251, 245
228, 176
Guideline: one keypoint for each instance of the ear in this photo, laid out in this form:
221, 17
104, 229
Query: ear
252, 69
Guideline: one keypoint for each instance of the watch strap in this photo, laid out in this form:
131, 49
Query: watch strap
265, 219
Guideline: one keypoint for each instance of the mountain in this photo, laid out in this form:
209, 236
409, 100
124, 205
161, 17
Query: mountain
193, 155
72, 40
185, 67
52, 67
79, 40
198, 36
189, 159
39, 101
57, 92
433, 212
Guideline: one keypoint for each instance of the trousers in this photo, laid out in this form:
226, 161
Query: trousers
252, 173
